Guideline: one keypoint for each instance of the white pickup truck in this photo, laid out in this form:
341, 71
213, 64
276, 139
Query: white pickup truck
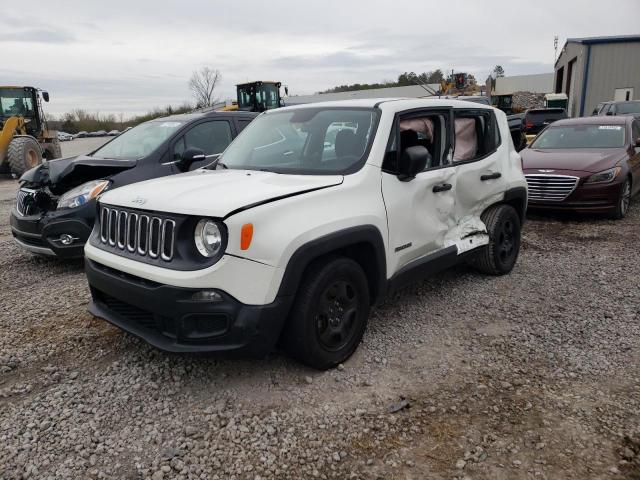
298, 229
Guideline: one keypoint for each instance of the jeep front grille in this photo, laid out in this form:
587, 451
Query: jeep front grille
554, 188
137, 233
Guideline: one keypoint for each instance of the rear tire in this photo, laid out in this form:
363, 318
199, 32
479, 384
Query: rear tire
503, 227
329, 314
24, 153
624, 201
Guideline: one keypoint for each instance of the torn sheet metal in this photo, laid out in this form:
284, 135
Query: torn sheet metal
469, 233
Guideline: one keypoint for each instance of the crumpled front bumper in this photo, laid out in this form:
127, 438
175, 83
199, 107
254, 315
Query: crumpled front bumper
41, 233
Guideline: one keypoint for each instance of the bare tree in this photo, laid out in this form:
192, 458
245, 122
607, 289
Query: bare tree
203, 84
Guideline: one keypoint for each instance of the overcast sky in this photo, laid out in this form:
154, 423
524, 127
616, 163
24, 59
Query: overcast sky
130, 56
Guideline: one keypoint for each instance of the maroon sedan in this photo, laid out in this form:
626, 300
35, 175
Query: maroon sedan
589, 164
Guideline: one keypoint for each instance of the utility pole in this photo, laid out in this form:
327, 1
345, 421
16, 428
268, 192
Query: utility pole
555, 48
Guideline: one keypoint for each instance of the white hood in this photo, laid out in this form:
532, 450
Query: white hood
213, 193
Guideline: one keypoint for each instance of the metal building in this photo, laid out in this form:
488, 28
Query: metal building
598, 69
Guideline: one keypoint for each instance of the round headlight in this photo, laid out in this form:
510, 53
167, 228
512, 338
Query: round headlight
208, 238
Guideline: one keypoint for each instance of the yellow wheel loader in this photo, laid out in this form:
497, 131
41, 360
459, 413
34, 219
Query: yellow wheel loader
25, 138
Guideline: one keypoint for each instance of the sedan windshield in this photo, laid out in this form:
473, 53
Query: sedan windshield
581, 136
307, 141
138, 142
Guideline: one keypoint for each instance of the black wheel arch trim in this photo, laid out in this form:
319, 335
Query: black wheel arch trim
335, 242
517, 198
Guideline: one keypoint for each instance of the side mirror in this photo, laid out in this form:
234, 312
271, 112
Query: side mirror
412, 161
286, 90
189, 156
45, 96
610, 112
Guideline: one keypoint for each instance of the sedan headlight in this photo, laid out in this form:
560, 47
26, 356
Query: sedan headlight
605, 176
82, 194
208, 238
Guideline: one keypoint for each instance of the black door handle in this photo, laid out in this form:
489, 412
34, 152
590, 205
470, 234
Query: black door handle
442, 188
491, 176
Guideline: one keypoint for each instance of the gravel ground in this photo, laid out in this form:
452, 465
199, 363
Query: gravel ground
463, 376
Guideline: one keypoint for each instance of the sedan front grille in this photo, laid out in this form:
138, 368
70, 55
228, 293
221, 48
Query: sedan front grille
550, 188
25, 201
146, 235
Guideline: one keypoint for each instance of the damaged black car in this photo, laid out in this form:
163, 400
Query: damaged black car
56, 203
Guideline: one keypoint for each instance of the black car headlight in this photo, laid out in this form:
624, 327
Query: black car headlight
80, 195
605, 176
208, 237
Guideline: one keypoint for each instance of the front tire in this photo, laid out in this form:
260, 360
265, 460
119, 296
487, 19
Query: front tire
503, 227
329, 315
23, 154
624, 201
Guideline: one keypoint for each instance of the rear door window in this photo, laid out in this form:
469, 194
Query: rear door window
210, 137
476, 134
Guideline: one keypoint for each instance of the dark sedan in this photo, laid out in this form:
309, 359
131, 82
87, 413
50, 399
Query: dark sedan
589, 164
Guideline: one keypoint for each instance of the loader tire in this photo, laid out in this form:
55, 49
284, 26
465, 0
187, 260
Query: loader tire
24, 154
52, 150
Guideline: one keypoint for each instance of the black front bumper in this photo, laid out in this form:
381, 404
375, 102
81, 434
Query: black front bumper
167, 317
41, 233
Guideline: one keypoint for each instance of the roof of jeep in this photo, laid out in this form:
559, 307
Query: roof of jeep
187, 117
393, 104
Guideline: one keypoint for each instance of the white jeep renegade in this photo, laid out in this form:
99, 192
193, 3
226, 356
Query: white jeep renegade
310, 217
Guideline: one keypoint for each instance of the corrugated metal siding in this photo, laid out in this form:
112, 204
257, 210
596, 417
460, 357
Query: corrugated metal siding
613, 65
571, 51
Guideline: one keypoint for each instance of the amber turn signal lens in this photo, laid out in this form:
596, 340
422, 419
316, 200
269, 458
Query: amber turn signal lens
246, 235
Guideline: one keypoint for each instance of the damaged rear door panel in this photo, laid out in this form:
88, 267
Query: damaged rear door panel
480, 181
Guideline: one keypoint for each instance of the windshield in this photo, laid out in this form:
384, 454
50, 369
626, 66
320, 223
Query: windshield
16, 101
138, 142
630, 107
308, 141
581, 136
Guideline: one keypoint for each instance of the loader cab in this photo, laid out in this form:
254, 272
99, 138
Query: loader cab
259, 96
23, 102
